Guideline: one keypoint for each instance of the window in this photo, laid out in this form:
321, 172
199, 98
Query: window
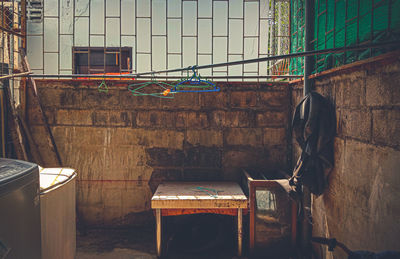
34, 10
102, 60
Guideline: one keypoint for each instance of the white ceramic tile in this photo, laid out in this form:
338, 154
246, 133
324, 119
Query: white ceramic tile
264, 9
251, 17
128, 15
35, 51
263, 67
235, 8
189, 51
264, 37
174, 8
81, 33
50, 34
81, 7
113, 7
205, 36
237, 69
143, 8
67, 17
37, 71
174, 61
220, 19
250, 74
174, 36
97, 17
205, 8
220, 52
34, 28
51, 63
112, 32
250, 52
143, 63
159, 17
159, 53
66, 43
235, 37
50, 7
205, 60
97, 41
189, 18
143, 35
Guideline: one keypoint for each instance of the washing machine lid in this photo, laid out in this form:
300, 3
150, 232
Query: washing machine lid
11, 169
53, 177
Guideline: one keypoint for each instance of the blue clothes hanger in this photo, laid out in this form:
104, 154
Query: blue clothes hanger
195, 84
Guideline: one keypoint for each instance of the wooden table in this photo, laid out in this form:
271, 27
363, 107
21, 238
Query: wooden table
177, 198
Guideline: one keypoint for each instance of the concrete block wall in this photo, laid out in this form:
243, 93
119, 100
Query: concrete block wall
123, 146
361, 206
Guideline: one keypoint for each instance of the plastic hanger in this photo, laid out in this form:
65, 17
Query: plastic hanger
195, 84
138, 89
103, 88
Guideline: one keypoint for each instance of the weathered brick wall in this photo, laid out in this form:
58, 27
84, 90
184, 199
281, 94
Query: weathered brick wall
123, 146
361, 207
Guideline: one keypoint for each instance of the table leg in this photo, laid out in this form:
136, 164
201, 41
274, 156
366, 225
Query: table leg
239, 231
158, 234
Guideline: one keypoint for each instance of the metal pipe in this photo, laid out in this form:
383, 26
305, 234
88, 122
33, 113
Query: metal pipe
105, 77
292, 55
246, 61
15, 75
308, 66
307, 39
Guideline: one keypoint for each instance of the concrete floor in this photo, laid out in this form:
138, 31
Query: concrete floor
132, 243
129, 243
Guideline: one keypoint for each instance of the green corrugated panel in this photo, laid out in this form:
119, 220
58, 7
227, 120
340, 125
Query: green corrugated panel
365, 20
381, 17
394, 15
297, 35
349, 23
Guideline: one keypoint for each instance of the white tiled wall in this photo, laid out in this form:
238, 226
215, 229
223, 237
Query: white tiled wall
163, 34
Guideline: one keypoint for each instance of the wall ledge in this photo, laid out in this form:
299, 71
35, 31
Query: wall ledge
383, 59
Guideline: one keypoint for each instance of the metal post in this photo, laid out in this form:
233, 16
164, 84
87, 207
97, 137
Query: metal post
158, 234
308, 31
273, 28
309, 6
239, 231
306, 226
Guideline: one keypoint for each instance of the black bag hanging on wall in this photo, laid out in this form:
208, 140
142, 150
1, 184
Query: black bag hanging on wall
314, 126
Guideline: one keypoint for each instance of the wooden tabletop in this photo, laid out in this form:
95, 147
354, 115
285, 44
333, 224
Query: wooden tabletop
198, 195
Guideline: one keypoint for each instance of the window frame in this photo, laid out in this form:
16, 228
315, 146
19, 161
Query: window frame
105, 50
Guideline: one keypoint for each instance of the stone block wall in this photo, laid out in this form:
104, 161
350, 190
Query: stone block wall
123, 146
361, 206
